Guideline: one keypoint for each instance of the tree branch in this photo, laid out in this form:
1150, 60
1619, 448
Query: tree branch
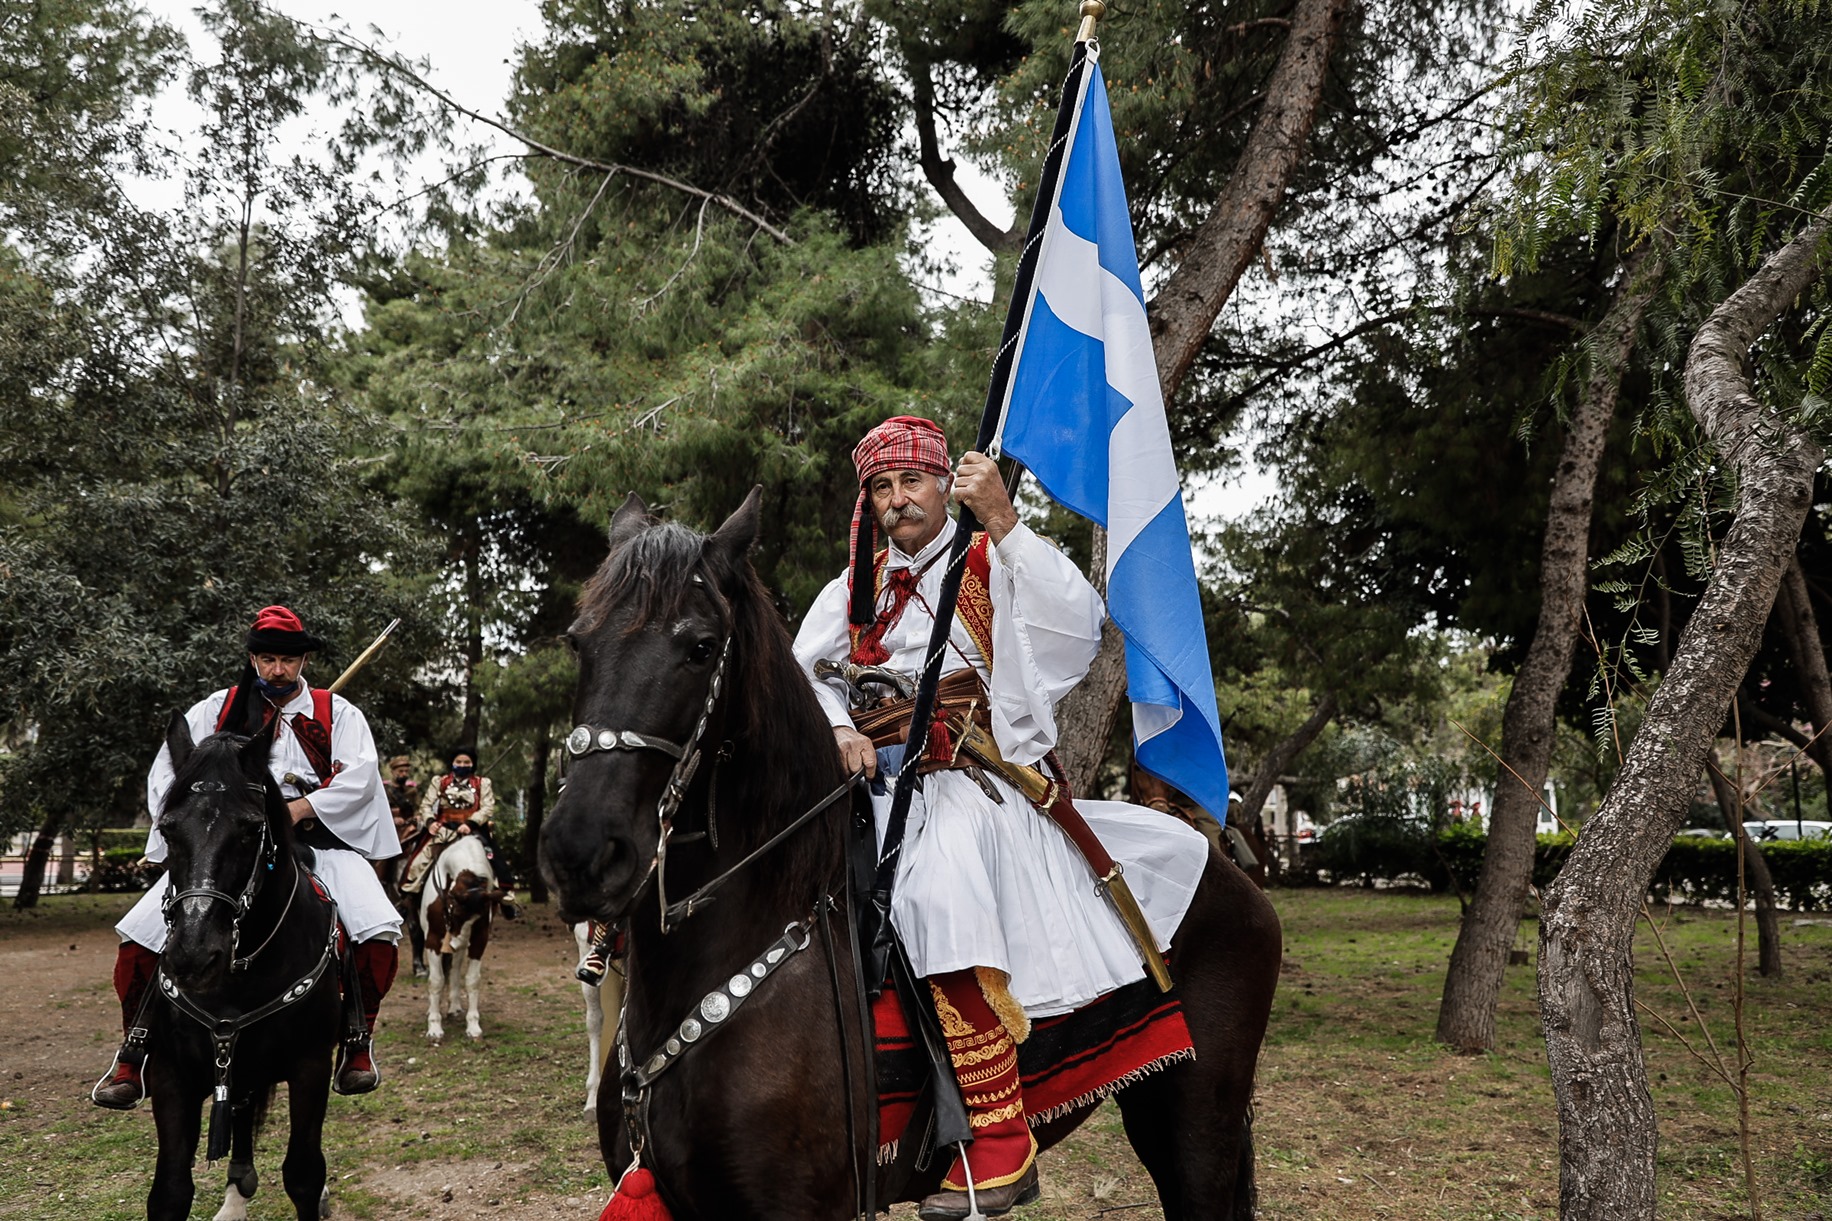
940, 170
1184, 311
398, 66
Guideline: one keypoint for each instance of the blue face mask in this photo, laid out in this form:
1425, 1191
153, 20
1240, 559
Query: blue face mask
462, 770
273, 691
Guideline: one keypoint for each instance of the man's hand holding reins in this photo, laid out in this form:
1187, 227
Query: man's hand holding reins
856, 750
978, 486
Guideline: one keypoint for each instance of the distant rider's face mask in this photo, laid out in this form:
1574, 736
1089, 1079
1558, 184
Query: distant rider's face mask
462, 770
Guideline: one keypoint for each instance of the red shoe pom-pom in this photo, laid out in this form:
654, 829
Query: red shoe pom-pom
636, 1199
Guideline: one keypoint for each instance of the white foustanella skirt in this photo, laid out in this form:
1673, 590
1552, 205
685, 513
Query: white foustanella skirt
362, 904
988, 885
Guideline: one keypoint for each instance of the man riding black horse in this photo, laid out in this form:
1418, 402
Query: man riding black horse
993, 902
325, 763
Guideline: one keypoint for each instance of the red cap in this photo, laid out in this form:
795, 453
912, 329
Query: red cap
277, 630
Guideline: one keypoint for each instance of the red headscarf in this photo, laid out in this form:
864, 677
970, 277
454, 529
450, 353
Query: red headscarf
901, 443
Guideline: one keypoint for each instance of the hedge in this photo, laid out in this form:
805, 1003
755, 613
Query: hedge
1696, 869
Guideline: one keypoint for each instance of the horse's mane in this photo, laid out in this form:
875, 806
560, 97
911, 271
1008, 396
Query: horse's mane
783, 747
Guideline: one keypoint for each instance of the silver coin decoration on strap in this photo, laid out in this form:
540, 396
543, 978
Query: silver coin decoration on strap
714, 1010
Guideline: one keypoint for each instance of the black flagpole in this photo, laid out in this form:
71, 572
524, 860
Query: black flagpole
923, 708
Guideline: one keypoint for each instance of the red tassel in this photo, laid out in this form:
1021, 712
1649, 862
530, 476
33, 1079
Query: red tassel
941, 742
636, 1199
871, 650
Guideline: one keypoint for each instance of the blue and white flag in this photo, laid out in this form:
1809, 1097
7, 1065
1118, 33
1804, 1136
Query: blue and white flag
1084, 412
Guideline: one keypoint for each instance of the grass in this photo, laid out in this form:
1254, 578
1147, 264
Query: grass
1359, 1114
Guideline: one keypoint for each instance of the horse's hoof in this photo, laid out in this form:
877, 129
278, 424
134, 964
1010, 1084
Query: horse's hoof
324, 1202
474, 1032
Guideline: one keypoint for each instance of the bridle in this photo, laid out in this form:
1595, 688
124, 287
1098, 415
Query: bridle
587, 739
224, 1030
263, 865
637, 1076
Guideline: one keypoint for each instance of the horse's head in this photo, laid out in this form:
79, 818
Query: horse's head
654, 637
225, 826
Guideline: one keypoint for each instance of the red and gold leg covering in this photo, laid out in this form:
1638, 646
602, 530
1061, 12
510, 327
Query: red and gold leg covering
985, 1060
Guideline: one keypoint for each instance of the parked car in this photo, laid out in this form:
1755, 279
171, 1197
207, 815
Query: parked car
1788, 828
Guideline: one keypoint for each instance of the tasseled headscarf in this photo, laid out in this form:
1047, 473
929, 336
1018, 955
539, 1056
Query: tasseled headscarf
901, 443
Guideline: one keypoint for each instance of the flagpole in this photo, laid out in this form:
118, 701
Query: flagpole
923, 706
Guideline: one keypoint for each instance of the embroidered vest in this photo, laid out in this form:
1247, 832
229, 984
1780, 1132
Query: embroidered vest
313, 732
456, 812
974, 608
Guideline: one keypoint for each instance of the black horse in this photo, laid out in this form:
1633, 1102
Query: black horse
700, 741
247, 991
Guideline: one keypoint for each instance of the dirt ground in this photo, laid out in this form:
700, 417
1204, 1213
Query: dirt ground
1359, 1114
457, 1130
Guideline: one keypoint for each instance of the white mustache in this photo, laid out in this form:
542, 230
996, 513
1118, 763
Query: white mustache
909, 512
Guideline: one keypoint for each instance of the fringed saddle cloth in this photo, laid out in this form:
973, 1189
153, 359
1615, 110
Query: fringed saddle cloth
1067, 1063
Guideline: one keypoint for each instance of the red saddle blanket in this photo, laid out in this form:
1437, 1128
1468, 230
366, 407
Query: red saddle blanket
1069, 1062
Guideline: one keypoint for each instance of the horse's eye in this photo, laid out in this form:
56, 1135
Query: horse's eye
701, 651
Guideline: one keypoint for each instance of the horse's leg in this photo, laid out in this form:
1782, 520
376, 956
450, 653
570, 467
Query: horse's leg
454, 980
473, 978
435, 983
242, 1178
308, 1093
1191, 1124
178, 1118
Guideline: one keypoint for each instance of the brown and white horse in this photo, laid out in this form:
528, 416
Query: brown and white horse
455, 911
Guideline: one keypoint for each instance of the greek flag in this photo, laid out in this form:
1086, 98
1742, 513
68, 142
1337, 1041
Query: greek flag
1084, 412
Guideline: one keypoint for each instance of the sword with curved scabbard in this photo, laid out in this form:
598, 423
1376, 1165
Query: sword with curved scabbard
1054, 801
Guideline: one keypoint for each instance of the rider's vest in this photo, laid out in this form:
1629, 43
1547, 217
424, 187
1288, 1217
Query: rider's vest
457, 813
313, 732
961, 690
974, 609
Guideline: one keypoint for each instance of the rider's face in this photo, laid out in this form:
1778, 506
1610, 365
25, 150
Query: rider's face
910, 507
278, 669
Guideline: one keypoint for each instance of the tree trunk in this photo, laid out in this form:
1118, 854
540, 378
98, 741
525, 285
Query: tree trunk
1800, 627
1755, 870
473, 639
1529, 724
537, 814
32, 879
1279, 758
1185, 309
1586, 935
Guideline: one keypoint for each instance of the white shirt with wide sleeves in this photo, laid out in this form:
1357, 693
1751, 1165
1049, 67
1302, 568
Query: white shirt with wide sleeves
991, 884
353, 806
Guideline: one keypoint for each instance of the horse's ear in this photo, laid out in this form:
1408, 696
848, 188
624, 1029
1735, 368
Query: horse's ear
627, 522
733, 539
178, 740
